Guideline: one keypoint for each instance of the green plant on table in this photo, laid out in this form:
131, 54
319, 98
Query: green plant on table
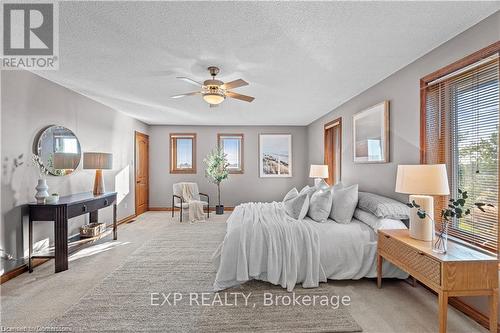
456, 209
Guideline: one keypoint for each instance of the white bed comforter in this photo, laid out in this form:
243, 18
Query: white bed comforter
264, 243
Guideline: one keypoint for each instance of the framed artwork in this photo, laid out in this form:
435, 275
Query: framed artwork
371, 134
275, 155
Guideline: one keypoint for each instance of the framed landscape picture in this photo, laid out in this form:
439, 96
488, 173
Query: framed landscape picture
371, 134
275, 155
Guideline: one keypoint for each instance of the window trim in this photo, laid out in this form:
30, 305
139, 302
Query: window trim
457, 65
241, 136
440, 73
173, 153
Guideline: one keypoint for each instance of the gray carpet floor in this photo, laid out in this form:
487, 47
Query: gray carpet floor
32, 300
178, 261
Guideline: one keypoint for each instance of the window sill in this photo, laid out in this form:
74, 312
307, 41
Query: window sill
190, 171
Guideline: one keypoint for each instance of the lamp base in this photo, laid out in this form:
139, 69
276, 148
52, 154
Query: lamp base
98, 183
422, 229
317, 181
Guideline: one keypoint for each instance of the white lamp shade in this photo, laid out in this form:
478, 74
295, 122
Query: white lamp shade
318, 171
97, 161
425, 179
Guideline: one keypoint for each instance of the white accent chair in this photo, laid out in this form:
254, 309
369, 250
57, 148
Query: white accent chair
178, 201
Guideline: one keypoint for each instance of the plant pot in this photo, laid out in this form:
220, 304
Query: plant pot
42, 191
219, 209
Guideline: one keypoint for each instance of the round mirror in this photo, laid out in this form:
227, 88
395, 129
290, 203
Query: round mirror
59, 150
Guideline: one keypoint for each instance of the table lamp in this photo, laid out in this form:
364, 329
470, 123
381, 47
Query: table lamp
66, 161
318, 172
99, 162
422, 181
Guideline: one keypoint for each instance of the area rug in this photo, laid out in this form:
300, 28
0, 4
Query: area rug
166, 286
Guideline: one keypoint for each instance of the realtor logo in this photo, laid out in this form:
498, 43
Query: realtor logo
30, 36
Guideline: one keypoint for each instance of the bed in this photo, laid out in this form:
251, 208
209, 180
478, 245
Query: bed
263, 243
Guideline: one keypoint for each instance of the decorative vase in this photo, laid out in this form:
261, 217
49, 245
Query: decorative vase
422, 229
219, 209
440, 245
41, 191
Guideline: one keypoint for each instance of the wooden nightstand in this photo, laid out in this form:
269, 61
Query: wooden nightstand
462, 271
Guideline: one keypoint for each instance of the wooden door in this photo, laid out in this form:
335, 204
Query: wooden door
333, 150
141, 173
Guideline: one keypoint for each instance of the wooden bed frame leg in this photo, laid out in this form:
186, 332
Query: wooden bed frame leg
379, 271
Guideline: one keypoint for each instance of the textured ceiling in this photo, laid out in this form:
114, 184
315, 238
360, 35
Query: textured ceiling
302, 59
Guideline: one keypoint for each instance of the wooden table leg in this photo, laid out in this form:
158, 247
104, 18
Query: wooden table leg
494, 311
115, 232
443, 311
30, 236
94, 217
61, 239
379, 271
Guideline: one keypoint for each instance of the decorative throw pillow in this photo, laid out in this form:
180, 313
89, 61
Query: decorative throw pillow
337, 186
297, 207
344, 202
320, 205
308, 190
291, 194
383, 207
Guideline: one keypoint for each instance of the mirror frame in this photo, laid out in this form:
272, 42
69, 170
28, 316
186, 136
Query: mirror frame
37, 144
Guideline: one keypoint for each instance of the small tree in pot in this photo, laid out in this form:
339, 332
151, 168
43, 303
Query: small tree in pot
217, 172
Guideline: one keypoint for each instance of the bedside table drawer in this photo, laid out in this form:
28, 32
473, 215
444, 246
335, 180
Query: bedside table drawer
411, 259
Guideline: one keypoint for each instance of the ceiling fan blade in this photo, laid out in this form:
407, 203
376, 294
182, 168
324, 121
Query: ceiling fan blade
240, 96
234, 84
187, 94
188, 80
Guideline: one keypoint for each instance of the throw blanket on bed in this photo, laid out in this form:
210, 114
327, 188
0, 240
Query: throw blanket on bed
264, 243
195, 206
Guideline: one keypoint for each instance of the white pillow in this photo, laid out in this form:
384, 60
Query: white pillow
377, 223
344, 203
297, 207
337, 186
320, 205
308, 190
291, 194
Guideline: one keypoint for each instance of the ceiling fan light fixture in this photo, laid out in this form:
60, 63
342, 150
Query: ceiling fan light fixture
213, 97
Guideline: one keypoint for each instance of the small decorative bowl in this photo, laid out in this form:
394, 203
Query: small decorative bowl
52, 199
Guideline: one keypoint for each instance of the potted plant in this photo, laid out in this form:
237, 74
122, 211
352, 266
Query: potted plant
456, 209
217, 172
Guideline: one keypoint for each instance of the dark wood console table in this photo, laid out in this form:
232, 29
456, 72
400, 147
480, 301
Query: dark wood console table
67, 207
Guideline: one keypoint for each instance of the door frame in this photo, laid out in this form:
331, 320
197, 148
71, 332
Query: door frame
327, 126
137, 134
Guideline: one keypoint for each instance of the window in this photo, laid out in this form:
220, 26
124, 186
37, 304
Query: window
460, 118
233, 148
183, 153
333, 150
65, 144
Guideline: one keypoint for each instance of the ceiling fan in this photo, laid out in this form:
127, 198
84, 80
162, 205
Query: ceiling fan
215, 91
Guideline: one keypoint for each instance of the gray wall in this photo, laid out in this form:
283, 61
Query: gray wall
29, 103
402, 90
239, 187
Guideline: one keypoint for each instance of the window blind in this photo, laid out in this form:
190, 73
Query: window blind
461, 130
